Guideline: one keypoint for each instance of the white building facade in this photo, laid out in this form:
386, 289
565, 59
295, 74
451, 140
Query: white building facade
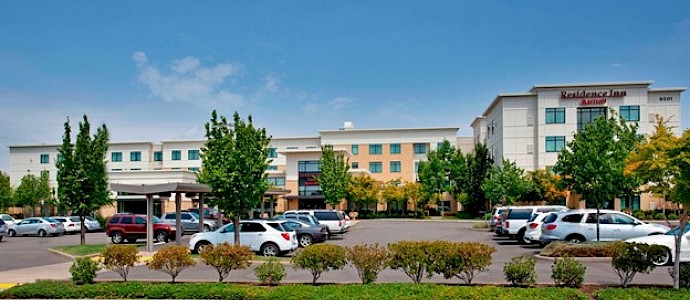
531, 128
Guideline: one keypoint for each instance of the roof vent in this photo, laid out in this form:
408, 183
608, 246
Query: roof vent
348, 125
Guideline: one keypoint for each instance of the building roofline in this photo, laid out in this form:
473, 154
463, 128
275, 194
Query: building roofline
500, 96
589, 84
669, 89
388, 129
476, 119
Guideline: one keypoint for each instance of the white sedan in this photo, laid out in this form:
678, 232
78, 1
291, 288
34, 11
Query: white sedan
668, 240
268, 238
72, 224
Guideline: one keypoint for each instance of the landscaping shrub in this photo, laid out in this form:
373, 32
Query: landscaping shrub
659, 216
640, 215
225, 258
684, 281
520, 271
568, 272
171, 260
83, 270
413, 257
642, 294
120, 258
271, 272
672, 216
635, 258
369, 260
461, 260
590, 249
480, 225
320, 258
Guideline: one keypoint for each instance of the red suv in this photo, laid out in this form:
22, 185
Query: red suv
131, 227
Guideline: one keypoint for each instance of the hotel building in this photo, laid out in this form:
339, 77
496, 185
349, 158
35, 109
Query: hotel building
531, 128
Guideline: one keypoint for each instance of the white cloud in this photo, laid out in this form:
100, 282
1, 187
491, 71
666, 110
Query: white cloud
189, 81
270, 84
340, 102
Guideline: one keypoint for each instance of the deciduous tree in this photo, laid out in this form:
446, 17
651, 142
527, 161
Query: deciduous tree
506, 184
6, 200
394, 195
444, 171
82, 178
334, 178
415, 195
234, 163
363, 189
544, 187
479, 163
32, 190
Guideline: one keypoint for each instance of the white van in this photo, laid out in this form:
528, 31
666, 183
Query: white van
514, 220
334, 219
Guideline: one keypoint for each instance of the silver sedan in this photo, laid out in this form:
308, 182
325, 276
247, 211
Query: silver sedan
36, 226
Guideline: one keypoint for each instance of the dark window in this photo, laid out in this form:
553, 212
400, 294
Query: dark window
635, 203
193, 154
45, 158
326, 215
555, 115
586, 115
75, 219
622, 219
551, 218
252, 227
276, 226
630, 112
169, 216
555, 143
272, 153
186, 216
603, 218
355, 165
126, 220
574, 218
533, 217
375, 149
140, 220
419, 148
116, 156
158, 156
176, 155
114, 220
549, 209
355, 149
395, 148
135, 156
228, 229
521, 214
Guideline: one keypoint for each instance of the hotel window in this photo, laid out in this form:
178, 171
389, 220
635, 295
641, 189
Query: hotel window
555, 115
635, 203
555, 143
272, 153
586, 115
375, 167
395, 148
193, 154
419, 148
135, 156
395, 167
355, 149
176, 155
45, 158
116, 156
630, 112
59, 157
158, 156
276, 181
375, 149
193, 169
273, 168
355, 165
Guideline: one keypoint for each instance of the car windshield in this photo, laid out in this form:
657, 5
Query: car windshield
195, 215
74, 219
676, 229
156, 220
51, 220
90, 218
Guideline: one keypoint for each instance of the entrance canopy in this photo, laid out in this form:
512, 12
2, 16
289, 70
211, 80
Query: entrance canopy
165, 188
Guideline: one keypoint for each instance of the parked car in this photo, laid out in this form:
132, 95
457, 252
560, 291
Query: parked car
268, 238
578, 226
308, 219
333, 218
9, 220
36, 226
190, 221
92, 224
668, 240
533, 231
514, 219
3, 229
131, 227
307, 234
209, 213
347, 220
71, 224
495, 217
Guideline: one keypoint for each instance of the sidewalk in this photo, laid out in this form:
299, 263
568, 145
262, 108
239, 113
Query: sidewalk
28, 275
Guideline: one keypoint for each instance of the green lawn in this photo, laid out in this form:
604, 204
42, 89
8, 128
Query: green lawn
81, 250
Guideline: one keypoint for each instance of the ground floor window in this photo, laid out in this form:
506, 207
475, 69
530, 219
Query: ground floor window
635, 205
138, 207
312, 204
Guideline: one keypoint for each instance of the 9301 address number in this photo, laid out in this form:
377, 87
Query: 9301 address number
665, 98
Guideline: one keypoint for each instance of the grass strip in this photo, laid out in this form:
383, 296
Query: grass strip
643, 294
81, 250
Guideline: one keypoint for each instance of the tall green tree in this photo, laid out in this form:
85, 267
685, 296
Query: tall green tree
479, 162
363, 189
82, 178
593, 163
32, 190
415, 195
444, 171
680, 158
334, 178
545, 187
506, 184
234, 161
394, 195
6, 200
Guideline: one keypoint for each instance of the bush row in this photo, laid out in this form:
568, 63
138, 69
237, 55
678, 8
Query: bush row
593, 249
655, 214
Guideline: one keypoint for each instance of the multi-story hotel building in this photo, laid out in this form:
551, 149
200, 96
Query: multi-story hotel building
384, 154
531, 128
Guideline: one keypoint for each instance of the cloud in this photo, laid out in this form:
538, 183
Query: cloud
188, 81
619, 65
270, 84
340, 102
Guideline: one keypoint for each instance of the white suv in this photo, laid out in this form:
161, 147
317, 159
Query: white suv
268, 238
334, 219
578, 226
514, 219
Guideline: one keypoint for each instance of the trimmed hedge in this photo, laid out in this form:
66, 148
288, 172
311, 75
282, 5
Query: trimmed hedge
129, 290
590, 249
643, 294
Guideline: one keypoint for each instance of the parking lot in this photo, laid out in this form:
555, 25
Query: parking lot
22, 252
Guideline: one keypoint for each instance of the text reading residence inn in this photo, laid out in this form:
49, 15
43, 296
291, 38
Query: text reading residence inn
529, 128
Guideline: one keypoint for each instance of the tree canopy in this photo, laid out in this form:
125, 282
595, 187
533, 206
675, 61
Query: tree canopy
394, 195
364, 189
32, 190
479, 163
82, 178
6, 200
334, 178
545, 187
234, 162
506, 184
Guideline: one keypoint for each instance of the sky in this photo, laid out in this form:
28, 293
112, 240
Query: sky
154, 70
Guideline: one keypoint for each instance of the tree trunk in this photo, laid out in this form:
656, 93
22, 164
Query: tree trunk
82, 232
236, 223
676, 264
598, 208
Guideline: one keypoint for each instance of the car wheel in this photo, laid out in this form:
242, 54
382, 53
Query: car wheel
575, 239
42, 233
521, 238
207, 228
270, 249
131, 240
116, 237
200, 246
12, 233
161, 237
664, 259
0, 238
305, 240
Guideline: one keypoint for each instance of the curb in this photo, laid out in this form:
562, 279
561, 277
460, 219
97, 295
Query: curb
580, 259
70, 256
421, 220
